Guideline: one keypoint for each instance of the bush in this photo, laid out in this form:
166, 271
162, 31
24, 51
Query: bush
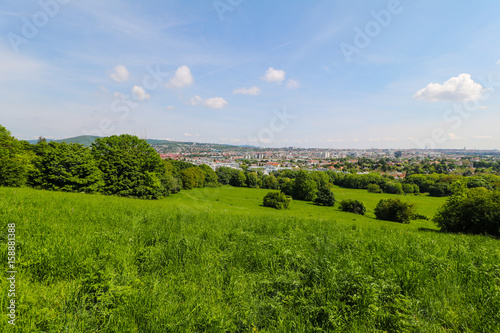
325, 196
352, 206
276, 200
471, 211
408, 188
394, 210
439, 190
374, 188
394, 188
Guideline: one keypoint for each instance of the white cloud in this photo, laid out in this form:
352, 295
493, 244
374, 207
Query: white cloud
216, 103
498, 62
140, 93
274, 75
170, 107
292, 84
212, 103
254, 91
182, 78
120, 74
457, 89
197, 100
188, 134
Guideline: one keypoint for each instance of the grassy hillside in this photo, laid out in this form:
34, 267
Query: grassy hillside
215, 260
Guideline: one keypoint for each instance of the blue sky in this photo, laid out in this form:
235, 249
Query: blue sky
332, 74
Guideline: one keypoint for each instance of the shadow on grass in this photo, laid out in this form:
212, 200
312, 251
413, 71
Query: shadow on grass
430, 230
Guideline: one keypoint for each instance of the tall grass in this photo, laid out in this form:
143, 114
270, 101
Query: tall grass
89, 263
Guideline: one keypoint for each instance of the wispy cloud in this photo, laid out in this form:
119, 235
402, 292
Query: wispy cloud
254, 91
212, 103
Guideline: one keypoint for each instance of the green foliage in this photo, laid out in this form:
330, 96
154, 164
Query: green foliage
352, 206
15, 161
394, 210
325, 196
410, 188
270, 182
374, 188
65, 167
276, 200
209, 175
130, 167
473, 211
252, 180
304, 187
394, 187
192, 177
439, 190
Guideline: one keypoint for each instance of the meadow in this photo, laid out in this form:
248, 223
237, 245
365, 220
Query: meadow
215, 260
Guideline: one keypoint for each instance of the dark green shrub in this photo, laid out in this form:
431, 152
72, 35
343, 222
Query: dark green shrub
325, 196
473, 211
352, 206
394, 210
394, 188
439, 190
276, 200
374, 188
408, 188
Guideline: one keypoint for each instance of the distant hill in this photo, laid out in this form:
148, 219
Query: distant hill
85, 140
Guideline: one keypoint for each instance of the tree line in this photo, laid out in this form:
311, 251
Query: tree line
117, 165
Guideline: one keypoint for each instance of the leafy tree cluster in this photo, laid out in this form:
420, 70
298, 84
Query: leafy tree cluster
352, 206
474, 210
117, 165
394, 210
65, 167
15, 160
276, 200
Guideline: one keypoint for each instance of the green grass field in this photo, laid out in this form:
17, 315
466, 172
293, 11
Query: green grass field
215, 260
